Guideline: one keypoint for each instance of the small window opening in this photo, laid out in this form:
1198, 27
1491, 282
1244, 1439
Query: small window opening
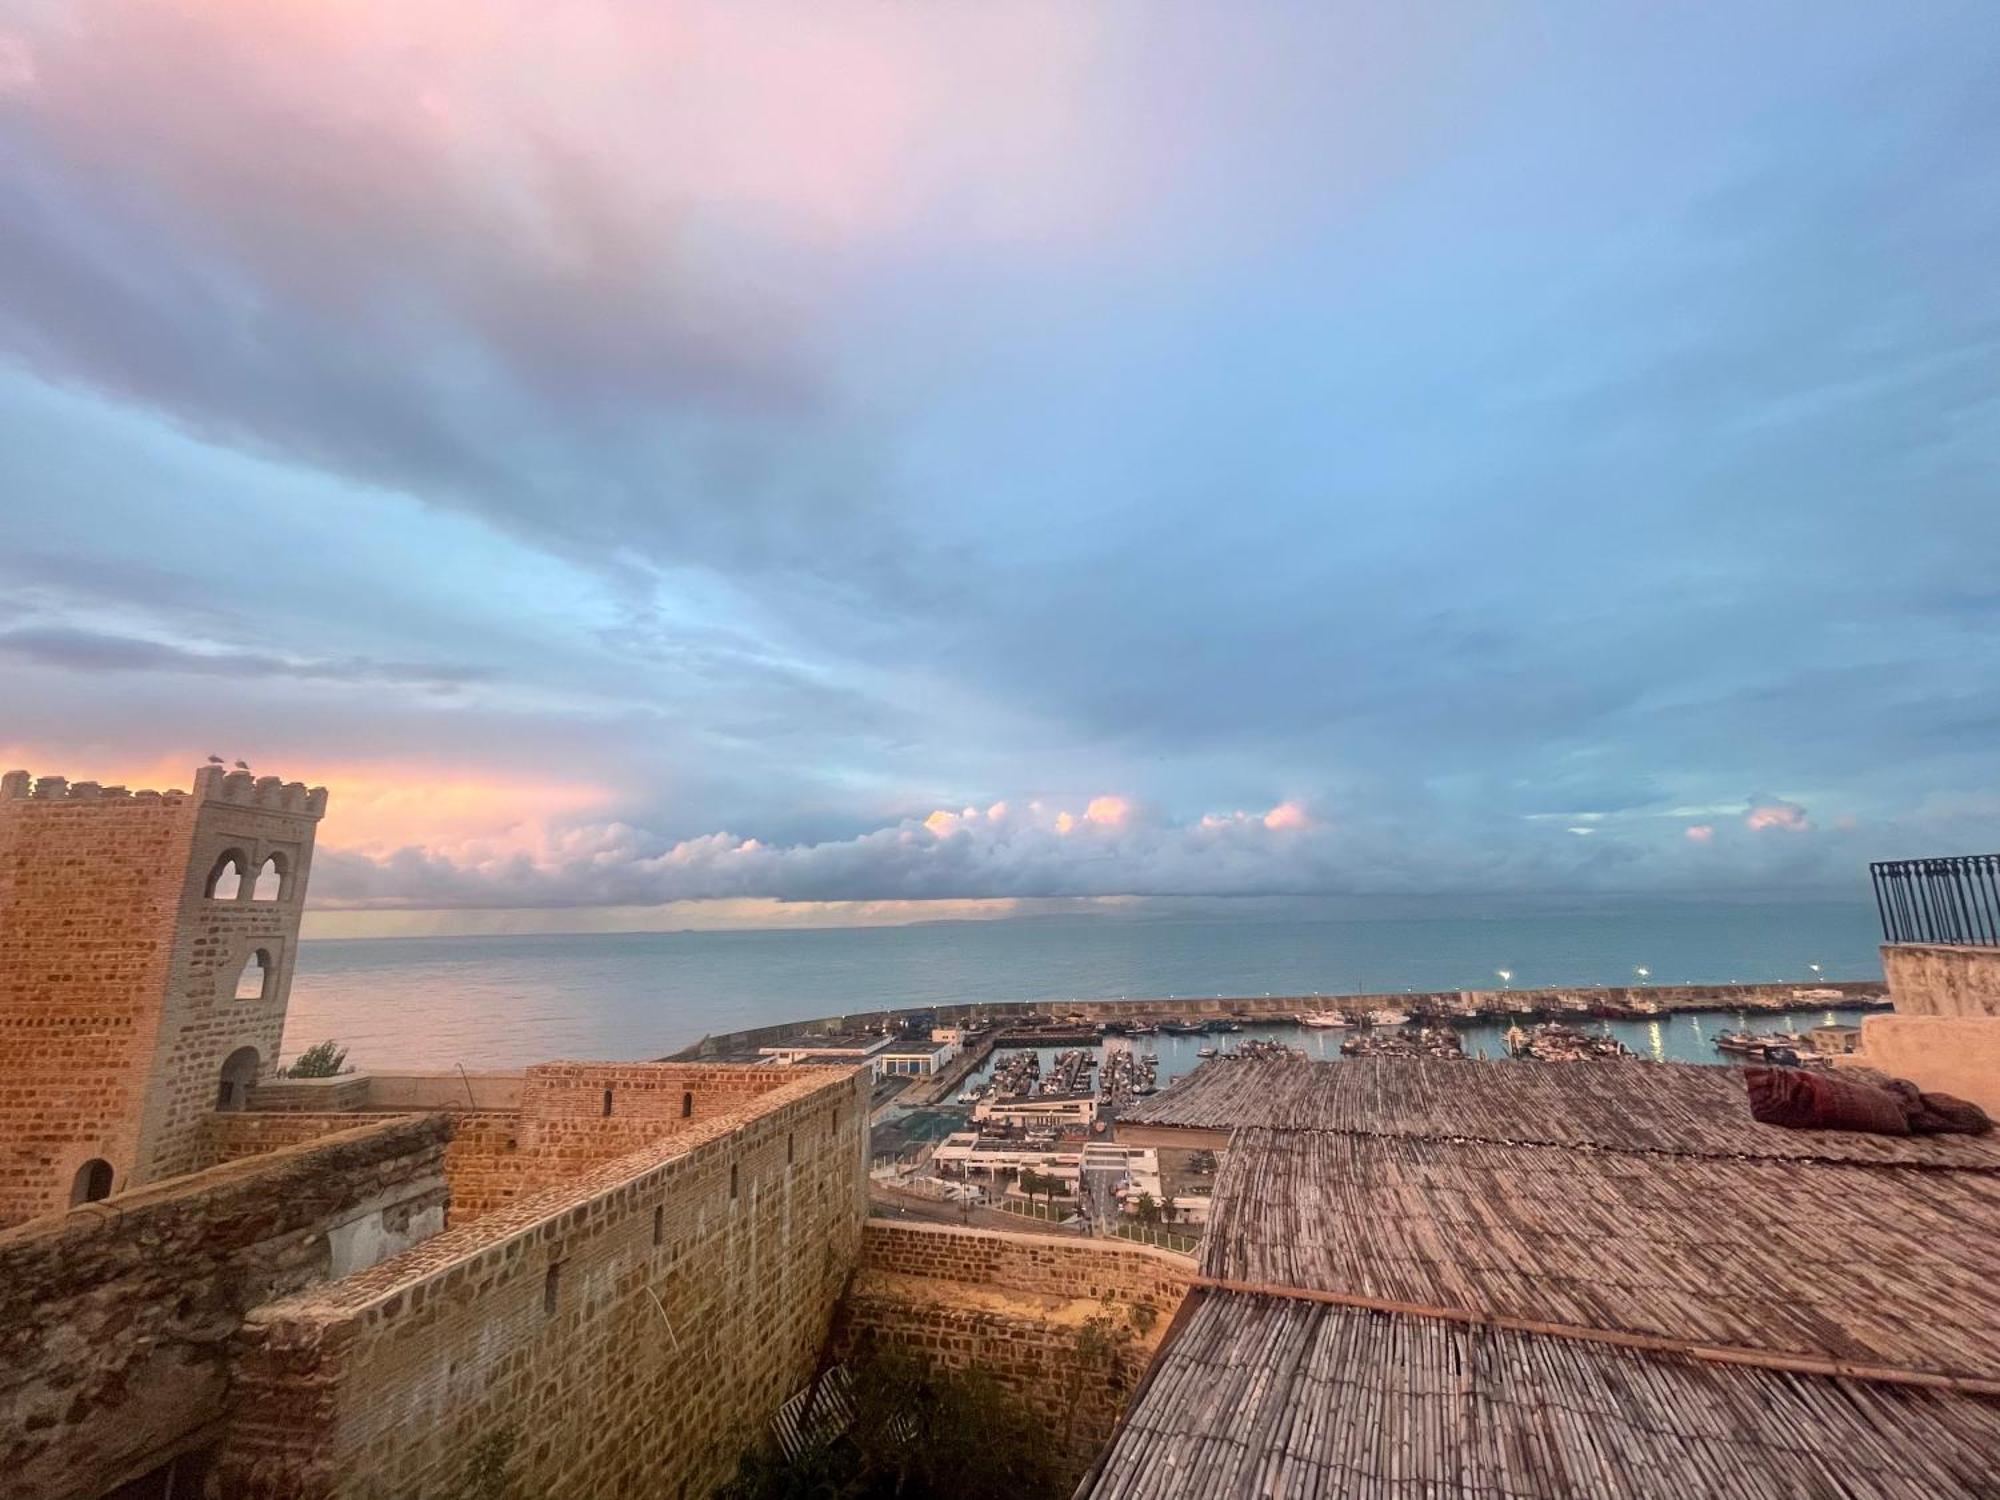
270, 880
551, 1288
732, 1180
607, 1104
659, 1227
791, 1147
93, 1181
225, 881
687, 1106
254, 983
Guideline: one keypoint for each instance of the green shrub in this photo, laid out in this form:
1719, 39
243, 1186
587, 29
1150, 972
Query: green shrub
321, 1060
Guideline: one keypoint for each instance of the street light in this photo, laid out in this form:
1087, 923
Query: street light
1643, 972
1506, 977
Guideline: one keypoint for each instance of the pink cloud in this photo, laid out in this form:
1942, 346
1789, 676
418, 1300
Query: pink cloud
1700, 833
1788, 817
1108, 812
1287, 817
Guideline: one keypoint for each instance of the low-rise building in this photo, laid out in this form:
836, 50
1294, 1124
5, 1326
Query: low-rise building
852, 1048
1040, 1111
916, 1059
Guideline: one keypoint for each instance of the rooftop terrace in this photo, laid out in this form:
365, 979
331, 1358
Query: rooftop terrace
1513, 1280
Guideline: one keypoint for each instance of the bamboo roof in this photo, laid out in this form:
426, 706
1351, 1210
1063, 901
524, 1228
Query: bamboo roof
1262, 1396
1671, 1108
1885, 1267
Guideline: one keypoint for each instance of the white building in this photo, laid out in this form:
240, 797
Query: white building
916, 1060
1040, 1111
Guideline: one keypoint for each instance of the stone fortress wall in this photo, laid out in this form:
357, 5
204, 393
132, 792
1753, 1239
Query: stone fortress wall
626, 1331
118, 972
1066, 1327
116, 1319
604, 1277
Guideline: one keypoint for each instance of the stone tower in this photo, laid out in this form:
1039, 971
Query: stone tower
146, 950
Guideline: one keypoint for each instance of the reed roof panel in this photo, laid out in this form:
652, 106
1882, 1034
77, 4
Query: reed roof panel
1862, 1265
1263, 1396
1671, 1108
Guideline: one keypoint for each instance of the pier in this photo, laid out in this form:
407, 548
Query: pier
1074, 1022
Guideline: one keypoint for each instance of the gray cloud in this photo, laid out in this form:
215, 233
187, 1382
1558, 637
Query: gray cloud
74, 650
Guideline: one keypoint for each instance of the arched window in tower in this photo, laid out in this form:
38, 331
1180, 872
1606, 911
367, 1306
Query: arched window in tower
239, 1074
254, 983
270, 880
225, 881
93, 1181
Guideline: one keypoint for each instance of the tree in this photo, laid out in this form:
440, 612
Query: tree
1031, 1184
321, 1060
1148, 1210
1168, 1210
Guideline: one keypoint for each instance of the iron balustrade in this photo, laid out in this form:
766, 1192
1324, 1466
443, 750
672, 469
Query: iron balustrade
1951, 901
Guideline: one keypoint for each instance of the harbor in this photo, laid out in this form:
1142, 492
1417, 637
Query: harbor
1708, 1037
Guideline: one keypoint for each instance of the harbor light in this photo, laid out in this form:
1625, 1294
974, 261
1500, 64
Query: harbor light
1506, 977
1643, 972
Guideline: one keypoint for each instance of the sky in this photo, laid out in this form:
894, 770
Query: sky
774, 463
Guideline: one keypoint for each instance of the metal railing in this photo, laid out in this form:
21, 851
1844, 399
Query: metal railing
1952, 901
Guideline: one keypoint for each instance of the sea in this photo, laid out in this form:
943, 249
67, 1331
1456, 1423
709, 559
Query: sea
502, 1002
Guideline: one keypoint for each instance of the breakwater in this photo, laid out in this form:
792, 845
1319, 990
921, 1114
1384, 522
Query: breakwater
1651, 999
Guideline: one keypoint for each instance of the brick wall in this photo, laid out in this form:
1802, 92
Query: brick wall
1065, 1327
116, 1320
647, 1091
89, 891
118, 970
624, 1334
231, 1137
318, 1095
202, 1023
1040, 1265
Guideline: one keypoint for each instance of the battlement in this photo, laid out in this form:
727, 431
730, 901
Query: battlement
211, 784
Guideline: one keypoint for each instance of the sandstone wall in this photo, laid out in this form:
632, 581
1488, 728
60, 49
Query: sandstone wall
1939, 1054
88, 900
561, 1129
319, 1095
202, 1022
1065, 1326
231, 1137
118, 970
116, 1320
1927, 979
624, 1334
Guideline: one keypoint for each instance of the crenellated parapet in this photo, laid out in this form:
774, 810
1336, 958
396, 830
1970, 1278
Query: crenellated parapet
211, 784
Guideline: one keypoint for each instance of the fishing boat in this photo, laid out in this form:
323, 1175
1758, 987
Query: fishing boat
1325, 1018
1747, 1044
1204, 1052
1387, 1017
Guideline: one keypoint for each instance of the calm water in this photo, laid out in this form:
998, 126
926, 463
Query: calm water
502, 1002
